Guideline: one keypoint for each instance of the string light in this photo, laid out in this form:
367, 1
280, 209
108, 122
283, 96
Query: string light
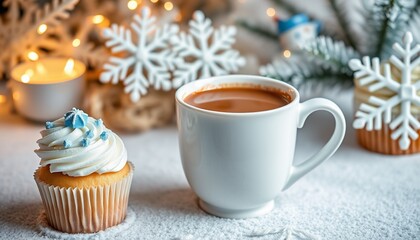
33, 56
97, 19
287, 54
271, 12
154, 1
76, 42
132, 4
168, 6
42, 28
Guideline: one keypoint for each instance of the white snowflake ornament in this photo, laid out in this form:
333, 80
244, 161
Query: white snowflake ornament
207, 52
147, 62
404, 125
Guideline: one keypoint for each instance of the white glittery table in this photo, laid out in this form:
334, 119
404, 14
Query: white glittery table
355, 195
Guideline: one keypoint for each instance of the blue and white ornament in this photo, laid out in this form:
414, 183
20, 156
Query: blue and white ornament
296, 31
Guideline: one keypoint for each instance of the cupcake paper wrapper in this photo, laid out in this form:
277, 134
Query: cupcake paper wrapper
380, 141
87, 210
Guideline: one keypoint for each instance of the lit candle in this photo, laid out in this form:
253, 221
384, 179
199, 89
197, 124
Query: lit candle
42, 90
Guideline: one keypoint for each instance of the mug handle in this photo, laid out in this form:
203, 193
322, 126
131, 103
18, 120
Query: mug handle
305, 109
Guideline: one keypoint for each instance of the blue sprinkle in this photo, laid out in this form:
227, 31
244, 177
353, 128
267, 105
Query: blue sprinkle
85, 142
98, 122
104, 135
67, 143
75, 118
49, 125
89, 134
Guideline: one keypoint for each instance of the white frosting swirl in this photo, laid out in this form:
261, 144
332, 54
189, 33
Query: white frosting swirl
86, 151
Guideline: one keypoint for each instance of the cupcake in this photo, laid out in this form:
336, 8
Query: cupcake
84, 178
381, 140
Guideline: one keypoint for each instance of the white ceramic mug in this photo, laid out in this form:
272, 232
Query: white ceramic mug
238, 163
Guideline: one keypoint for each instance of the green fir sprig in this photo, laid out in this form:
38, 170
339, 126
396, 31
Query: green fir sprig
299, 71
331, 54
340, 12
388, 20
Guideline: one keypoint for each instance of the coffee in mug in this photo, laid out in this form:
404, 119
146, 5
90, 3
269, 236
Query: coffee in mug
239, 99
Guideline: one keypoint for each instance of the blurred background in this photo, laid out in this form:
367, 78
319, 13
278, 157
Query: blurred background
307, 44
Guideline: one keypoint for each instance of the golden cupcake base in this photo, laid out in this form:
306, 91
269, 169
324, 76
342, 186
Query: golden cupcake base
380, 141
85, 209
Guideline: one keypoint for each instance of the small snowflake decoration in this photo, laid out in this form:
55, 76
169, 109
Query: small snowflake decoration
207, 52
405, 125
147, 61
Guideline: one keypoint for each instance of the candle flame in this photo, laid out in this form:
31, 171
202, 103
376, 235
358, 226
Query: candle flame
26, 77
29, 72
68, 69
40, 68
33, 56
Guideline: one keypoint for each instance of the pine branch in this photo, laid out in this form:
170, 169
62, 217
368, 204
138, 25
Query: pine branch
331, 54
340, 14
298, 70
415, 23
257, 30
388, 20
383, 30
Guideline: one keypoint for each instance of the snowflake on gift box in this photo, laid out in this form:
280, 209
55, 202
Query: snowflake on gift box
404, 126
206, 52
147, 62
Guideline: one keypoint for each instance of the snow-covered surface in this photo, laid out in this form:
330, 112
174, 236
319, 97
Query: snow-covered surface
354, 195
